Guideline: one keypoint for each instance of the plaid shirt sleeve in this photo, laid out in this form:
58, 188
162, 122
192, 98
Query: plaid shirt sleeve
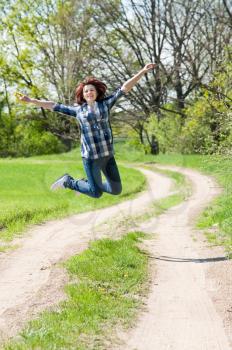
110, 100
71, 111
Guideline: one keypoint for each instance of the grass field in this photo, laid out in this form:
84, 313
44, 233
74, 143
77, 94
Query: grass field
26, 197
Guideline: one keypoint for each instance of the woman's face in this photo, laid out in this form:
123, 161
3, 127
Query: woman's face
89, 93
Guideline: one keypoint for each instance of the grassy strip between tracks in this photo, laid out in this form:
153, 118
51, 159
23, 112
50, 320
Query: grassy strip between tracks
107, 282
181, 189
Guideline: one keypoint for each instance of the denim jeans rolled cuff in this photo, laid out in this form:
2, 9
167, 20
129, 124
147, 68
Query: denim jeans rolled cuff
83, 186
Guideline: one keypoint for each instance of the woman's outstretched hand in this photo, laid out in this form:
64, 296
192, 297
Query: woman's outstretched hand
39, 103
22, 98
148, 67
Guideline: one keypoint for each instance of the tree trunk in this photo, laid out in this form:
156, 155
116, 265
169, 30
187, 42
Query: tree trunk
154, 145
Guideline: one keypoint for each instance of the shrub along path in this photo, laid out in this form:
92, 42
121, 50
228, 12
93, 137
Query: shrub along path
182, 309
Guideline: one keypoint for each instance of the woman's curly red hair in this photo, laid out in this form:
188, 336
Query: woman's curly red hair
99, 85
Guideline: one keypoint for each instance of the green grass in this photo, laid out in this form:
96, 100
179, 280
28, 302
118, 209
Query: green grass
26, 198
181, 189
219, 213
111, 279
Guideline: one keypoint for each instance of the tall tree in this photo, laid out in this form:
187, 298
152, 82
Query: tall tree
132, 34
179, 35
45, 50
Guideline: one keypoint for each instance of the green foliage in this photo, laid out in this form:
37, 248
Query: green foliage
26, 138
36, 39
208, 127
31, 140
167, 131
134, 141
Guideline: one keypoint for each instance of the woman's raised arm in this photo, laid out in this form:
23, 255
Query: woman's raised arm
129, 84
40, 103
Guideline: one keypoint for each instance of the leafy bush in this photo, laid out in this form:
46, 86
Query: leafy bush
167, 131
33, 140
208, 127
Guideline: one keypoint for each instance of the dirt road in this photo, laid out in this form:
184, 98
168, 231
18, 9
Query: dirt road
30, 278
181, 313
186, 309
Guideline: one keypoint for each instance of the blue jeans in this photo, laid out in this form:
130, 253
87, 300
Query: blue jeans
93, 186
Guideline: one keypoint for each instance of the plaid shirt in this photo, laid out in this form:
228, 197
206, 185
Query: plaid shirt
96, 133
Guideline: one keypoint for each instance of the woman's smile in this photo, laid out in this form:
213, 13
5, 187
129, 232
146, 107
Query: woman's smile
89, 93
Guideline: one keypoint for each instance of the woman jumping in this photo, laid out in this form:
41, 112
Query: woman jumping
97, 151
